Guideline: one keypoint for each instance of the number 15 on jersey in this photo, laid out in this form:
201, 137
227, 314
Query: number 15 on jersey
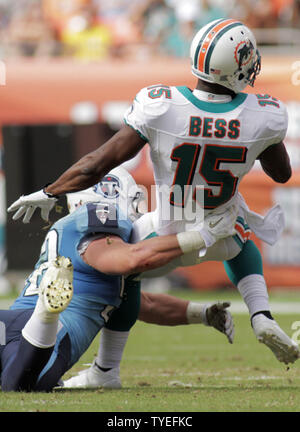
187, 154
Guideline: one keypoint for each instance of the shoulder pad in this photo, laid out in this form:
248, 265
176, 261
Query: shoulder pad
273, 116
155, 99
156, 92
149, 105
266, 103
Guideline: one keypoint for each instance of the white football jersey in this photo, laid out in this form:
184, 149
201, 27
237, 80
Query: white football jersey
201, 150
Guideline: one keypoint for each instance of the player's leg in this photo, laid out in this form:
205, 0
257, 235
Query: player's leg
78, 326
105, 370
59, 363
55, 293
246, 272
20, 361
38, 335
26, 363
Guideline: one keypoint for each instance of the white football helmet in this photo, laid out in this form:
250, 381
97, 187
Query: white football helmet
117, 187
224, 52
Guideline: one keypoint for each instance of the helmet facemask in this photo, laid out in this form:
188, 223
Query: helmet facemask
254, 70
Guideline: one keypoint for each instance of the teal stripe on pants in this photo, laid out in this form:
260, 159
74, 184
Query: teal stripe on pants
247, 262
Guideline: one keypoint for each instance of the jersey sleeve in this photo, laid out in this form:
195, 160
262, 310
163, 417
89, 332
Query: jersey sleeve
147, 108
275, 123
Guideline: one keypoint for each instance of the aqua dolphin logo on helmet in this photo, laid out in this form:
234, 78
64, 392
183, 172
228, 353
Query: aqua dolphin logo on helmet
244, 52
224, 52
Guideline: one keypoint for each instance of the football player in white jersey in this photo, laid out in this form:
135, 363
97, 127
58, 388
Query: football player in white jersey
202, 143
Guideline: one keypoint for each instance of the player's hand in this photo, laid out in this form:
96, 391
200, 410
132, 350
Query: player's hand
221, 319
27, 204
219, 225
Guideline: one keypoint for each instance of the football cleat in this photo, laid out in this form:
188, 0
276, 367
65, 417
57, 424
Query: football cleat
56, 286
93, 377
268, 332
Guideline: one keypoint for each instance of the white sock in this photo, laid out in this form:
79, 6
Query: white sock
112, 344
254, 292
41, 329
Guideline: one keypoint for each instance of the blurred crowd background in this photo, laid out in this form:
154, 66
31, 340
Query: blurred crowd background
99, 29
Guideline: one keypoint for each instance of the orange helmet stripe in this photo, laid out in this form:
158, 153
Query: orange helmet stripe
206, 43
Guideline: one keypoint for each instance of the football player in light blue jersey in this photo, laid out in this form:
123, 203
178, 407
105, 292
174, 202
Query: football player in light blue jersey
95, 293
46, 331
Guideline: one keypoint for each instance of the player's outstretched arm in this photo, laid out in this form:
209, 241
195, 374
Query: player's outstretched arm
275, 162
163, 309
90, 169
124, 145
167, 310
111, 255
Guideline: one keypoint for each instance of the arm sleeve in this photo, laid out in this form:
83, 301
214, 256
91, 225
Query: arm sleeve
135, 117
276, 124
147, 110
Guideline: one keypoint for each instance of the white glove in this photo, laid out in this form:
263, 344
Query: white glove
28, 203
221, 319
219, 225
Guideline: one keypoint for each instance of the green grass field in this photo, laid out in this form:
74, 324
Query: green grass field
184, 369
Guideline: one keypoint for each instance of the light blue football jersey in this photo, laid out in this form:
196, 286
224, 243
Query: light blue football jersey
95, 293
